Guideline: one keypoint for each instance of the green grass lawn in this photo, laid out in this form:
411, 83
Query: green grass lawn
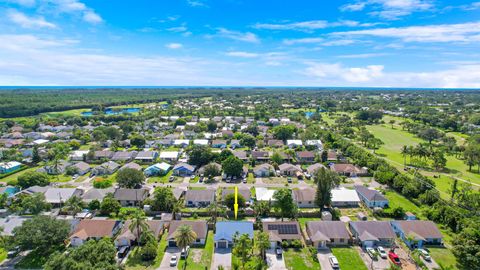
3, 254
443, 256
348, 258
397, 200
134, 261
200, 258
164, 179
300, 259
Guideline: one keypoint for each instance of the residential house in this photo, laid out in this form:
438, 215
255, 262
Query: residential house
157, 169
241, 155
294, 143
372, 233
417, 233
11, 222
312, 169
199, 198
98, 155
275, 143
106, 168
78, 155
305, 156
327, 233
244, 192
316, 144
124, 156
342, 197
290, 169
181, 143
130, 197
200, 228
280, 231
146, 156
235, 144
132, 165
304, 197
183, 169
370, 197
171, 156
263, 170
94, 229
58, 196
81, 167
219, 144
227, 133
96, 194
260, 156
129, 237
201, 170
8, 167
60, 168
225, 231
264, 194
200, 142
348, 170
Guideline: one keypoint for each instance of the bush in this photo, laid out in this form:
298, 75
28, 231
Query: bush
296, 243
149, 251
313, 253
102, 183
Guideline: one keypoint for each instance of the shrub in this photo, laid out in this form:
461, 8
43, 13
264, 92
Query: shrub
102, 183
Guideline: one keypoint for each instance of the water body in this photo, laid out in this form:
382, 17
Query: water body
111, 111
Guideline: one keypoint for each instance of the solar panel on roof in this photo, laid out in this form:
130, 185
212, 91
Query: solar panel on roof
283, 228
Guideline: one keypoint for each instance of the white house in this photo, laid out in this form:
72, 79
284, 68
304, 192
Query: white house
345, 198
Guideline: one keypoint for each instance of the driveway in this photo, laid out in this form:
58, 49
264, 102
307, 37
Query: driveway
223, 257
274, 262
166, 258
379, 264
322, 256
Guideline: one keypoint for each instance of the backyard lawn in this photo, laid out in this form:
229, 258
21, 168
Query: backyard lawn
348, 258
300, 259
134, 261
443, 256
397, 200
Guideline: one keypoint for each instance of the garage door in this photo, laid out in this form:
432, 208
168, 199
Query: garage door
172, 243
222, 244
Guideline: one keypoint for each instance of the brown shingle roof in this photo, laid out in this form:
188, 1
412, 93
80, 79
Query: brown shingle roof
423, 228
94, 228
379, 229
198, 226
329, 229
282, 230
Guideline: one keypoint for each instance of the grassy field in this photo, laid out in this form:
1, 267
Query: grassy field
348, 258
397, 200
443, 256
200, 258
164, 179
300, 259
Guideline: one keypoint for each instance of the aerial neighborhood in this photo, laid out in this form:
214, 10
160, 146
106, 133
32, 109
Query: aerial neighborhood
219, 182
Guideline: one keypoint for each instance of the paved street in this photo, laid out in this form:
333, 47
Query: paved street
222, 256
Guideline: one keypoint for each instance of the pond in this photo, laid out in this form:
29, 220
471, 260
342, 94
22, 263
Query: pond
115, 111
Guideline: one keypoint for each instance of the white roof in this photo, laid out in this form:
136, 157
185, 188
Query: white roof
296, 142
178, 142
163, 166
40, 141
264, 194
204, 119
78, 153
191, 123
200, 142
172, 154
10, 164
313, 142
345, 195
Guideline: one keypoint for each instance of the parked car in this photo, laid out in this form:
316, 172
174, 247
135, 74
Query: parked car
382, 252
192, 176
13, 253
185, 251
122, 252
394, 258
244, 180
371, 252
289, 179
173, 260
171, 179
200, 179
278, 251
425, 255
334, 262
308, 176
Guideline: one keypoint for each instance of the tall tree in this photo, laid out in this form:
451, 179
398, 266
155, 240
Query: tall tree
284, 203
138, 224
243, 248
325, 180
130, 178
262, 241
184, 237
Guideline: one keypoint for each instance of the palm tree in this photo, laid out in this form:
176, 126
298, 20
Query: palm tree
262, 241
73, 205
404, 154
177, 208
138, 224
184, 237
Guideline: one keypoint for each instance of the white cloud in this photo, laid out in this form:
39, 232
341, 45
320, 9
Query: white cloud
26, 3
337, 71
465, 32
92, 17
242, 54
178, 29
302, 41
174, 46
196, 3
310, 26
28, 22
362, 55
390, 9
235, 35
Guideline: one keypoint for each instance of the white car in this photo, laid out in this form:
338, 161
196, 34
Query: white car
382, 252
425, 254
173, 260
370, 252
333, 262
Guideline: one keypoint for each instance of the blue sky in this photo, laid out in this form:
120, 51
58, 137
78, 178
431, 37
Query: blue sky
378, 43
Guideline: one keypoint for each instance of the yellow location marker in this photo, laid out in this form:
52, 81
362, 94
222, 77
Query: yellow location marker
235, 206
